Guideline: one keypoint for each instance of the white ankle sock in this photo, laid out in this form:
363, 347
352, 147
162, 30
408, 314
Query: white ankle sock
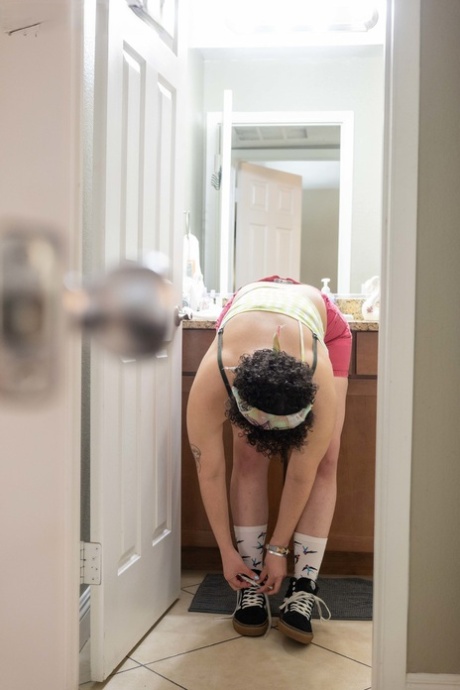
250, 542
308, 555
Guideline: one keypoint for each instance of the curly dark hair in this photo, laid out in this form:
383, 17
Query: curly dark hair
278, 383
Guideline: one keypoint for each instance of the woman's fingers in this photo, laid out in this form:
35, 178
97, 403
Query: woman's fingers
243, 580
271, 586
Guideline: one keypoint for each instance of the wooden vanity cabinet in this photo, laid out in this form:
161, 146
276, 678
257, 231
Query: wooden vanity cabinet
352, 528
196, 531
350, 543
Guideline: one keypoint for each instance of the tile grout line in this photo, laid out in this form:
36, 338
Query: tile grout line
345, 656
160, 675
189, 651
138, 666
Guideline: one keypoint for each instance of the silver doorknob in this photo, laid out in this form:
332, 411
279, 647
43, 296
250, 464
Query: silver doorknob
129, 310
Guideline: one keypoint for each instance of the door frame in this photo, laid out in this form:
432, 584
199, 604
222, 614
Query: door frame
395, 403
342, 118
396, 354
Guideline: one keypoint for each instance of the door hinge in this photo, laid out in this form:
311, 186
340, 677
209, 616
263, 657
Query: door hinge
90, 563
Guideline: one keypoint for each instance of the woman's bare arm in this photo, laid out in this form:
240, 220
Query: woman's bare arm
300, 477
303, 464
205, 419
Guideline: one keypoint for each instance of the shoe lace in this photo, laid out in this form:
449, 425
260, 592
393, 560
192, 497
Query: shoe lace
303, 602
250, 596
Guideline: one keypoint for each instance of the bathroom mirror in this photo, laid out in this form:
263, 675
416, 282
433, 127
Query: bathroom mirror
315, 146
342, 85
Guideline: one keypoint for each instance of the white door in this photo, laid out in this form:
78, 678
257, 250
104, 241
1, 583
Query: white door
40, 441
268, 223
135, 410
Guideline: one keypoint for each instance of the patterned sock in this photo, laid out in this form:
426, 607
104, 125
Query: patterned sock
250, 542
308, 554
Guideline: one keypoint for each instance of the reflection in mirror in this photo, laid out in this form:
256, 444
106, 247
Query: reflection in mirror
307, 238
313, 153
278, 82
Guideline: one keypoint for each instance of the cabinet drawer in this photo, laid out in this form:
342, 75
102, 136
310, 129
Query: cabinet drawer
195, 342
366, 353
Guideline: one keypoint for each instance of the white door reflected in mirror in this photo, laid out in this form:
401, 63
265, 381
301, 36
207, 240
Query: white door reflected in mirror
268, 224
338, 124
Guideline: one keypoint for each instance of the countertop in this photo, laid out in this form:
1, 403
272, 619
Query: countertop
204, 323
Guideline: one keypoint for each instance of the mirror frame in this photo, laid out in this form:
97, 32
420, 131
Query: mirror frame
214, 248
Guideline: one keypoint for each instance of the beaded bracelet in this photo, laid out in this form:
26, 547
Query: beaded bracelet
282, 551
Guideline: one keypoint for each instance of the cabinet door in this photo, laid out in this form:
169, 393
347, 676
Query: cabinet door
352, 528
366, 353
196, 531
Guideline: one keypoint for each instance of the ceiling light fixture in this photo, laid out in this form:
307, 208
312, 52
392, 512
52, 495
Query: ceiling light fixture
286, 16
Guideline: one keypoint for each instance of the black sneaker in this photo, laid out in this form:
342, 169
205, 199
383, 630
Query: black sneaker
251, 616
297, 608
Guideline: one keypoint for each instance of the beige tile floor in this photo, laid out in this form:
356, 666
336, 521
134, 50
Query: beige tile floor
199, 651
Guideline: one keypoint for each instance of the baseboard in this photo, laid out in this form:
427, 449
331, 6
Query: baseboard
85, 605
432, 681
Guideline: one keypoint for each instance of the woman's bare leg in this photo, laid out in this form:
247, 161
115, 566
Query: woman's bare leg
249, 505
248, 487
310, 537
318, 513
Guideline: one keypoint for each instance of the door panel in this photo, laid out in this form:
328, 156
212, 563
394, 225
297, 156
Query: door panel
135, 457
40, 441
268, 223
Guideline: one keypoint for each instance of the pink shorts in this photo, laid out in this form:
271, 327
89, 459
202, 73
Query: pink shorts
337, 338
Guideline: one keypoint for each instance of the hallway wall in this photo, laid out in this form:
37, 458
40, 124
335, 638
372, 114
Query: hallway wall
434, 606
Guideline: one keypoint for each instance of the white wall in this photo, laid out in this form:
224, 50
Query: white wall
434, 604
320, 218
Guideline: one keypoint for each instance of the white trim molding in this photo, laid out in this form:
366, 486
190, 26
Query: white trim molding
432, 681
396, 354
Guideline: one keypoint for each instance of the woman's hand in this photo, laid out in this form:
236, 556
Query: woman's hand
233, 565
273, 573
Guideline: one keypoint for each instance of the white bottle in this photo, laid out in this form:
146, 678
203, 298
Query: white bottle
196, 292
326, 290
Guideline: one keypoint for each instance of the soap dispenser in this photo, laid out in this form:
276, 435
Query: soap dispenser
326, 290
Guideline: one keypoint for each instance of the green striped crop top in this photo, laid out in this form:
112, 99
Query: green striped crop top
276, 298
280, 299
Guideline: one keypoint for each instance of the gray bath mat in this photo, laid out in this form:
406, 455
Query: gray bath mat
348, 598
